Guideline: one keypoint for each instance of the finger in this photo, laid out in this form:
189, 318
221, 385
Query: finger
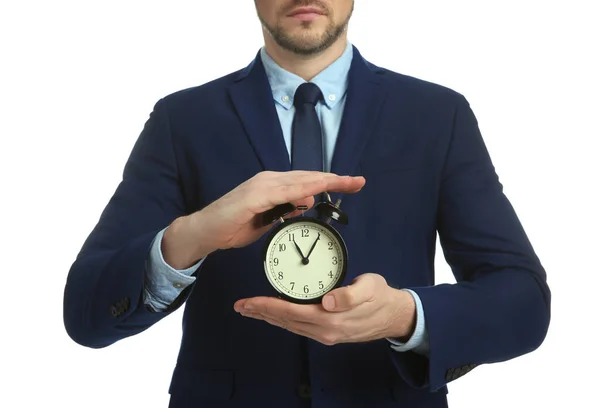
295, 177
317, 182
305, 186
283, 310
290, 178
280, 309
361, 290
258, 316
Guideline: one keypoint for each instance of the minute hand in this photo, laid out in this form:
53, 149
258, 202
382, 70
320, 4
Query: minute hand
313, 246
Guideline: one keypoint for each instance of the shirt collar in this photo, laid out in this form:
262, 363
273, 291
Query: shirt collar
333, 80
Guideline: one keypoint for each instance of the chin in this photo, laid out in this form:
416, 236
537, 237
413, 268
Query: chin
304, 38
307, 35
305, 44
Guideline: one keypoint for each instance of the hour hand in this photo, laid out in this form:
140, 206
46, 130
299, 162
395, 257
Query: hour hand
304, 259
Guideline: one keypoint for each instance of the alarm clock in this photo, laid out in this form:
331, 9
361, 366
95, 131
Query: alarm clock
305, 257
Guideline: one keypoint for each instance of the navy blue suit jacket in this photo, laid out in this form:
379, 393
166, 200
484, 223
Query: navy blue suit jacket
427, 171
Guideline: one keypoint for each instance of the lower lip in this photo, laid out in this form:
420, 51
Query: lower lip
306, 16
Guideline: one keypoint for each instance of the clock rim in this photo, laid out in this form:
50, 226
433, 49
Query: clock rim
287, 223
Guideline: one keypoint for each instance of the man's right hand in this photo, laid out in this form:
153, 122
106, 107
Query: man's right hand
231, 221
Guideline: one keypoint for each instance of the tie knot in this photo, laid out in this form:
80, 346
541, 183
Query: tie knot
307, 93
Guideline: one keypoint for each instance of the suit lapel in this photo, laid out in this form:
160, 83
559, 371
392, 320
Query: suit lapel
253, 100
363, 103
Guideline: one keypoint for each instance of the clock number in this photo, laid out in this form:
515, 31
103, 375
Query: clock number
334, 260
305, 233
280, 275
292, 283
291, 237
330, 244
321, 286
275, 261
281, 247
331, 274
306, 290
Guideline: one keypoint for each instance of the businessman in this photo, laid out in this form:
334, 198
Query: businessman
309, 114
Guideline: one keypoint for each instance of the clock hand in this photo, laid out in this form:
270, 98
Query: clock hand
313, 247
304, 259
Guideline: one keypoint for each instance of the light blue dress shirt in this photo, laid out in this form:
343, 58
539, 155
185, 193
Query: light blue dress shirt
163, 283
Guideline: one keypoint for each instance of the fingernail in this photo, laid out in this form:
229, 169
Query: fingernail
329, 302
248, 306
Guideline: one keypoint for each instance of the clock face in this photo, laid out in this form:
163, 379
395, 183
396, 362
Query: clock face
304, 259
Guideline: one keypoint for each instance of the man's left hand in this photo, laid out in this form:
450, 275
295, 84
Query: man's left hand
367, 309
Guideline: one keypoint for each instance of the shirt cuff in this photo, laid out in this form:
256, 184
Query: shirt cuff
419, 341
163, 283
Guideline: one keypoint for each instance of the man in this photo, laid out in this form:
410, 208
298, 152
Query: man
183, 226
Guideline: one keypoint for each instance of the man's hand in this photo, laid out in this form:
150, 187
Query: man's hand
367, 309
231, 221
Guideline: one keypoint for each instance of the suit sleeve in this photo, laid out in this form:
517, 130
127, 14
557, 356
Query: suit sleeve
499, 308
103, 297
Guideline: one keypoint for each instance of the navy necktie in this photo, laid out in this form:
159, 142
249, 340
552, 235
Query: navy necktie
307, 146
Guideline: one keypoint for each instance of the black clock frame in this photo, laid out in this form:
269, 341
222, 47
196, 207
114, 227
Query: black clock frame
286, 224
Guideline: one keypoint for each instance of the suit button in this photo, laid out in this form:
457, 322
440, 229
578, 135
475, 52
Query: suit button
114, 311
304, 391
125, 303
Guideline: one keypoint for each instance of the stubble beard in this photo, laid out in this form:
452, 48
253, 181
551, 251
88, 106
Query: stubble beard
307, 43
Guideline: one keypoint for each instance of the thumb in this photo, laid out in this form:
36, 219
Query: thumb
360, 290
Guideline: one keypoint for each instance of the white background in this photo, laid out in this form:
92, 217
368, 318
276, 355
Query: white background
78, 80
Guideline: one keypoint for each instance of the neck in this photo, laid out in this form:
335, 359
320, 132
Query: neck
305, 66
